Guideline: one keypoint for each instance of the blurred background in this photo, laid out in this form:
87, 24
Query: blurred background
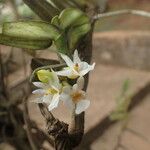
121, 50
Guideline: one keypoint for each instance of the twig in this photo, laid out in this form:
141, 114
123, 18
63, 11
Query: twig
46, 114
27, 123
121, 12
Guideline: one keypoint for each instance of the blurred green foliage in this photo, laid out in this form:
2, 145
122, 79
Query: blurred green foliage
122, 103
9, 9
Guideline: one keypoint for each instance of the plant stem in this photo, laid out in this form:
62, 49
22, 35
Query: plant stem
121, 12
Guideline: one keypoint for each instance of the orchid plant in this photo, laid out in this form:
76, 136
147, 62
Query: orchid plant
68, 25
64, 24
52, 90
62, 79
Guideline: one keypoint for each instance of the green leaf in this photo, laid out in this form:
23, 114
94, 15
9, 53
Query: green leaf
126, 86
118, 116
69, 16
24, 43
62, 44
31, 30
83, 19
76, 33
55, 21
123, 103
75, 25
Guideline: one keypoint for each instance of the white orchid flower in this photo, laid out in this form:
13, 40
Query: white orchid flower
76, 67
75, 97
49, 88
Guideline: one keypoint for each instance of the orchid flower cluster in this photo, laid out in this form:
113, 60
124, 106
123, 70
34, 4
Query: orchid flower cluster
53, 87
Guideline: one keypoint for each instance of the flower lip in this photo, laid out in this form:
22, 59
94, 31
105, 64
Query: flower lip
51, 91
77, 96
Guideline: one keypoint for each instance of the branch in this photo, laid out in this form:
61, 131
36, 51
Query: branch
46, 114
57, 130
121, 12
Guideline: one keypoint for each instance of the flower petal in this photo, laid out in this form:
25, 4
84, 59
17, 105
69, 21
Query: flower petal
75, 87
66, 72
55, 80
66, 89
74, 74
89, 68
47, 98
82, 106
39, 84
67, 60
38, 91
37, 100
80, 82
67, 101
93, 65
76, 58
54, 102
83, 65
